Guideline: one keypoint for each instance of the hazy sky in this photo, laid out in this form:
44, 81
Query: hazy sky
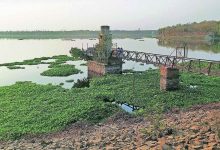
90, 14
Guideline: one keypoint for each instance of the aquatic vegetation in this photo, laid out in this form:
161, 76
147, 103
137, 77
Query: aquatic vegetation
81, 83
59, 59
64, 58
61, 70
128, 71
70, 80
15, 67
77, 53
84, 64
28, 108
57, 67
35, 61
143, 90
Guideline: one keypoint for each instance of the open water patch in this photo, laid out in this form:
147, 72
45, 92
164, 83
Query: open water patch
32, 73
126, 107
48, 61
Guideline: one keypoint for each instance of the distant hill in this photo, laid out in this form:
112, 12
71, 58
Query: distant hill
81, 34
205, 30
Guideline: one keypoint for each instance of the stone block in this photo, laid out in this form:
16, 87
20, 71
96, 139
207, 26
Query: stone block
169, 84
169, 73
169, 78
99, 69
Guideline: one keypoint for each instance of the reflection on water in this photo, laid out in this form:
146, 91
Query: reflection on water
210, 46
196, 48
126, 107
19, 50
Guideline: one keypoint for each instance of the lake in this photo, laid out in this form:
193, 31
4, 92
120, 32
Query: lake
19, 50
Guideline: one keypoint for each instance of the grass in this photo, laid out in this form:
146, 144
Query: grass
28, 108
202, 67
61, 70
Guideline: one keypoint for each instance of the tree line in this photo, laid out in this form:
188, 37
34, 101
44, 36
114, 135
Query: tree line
73, 34
203, 28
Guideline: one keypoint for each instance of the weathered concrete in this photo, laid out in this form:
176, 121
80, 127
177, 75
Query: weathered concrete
103, 62
103, 49
169, 78
99, 69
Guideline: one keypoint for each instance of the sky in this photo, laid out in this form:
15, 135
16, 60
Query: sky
91, 14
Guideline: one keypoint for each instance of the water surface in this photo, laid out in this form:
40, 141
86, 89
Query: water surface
19, 50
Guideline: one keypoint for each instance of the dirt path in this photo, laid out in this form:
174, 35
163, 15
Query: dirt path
195, 128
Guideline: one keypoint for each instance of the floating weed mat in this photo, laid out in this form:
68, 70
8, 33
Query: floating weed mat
61, 70
76, 54
57, 66
28, 108
145, 92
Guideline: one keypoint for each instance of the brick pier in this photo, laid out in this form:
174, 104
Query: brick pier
169, 78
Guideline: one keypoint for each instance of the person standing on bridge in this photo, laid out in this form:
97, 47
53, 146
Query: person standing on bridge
118, 51
121, 52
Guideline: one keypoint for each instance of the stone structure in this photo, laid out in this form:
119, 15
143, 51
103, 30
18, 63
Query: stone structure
103, 62
103, 49
98, 69
169, 78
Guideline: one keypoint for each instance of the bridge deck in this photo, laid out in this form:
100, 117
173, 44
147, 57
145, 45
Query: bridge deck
210, 67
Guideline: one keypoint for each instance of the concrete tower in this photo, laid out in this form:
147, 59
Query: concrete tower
103, 49
103, 62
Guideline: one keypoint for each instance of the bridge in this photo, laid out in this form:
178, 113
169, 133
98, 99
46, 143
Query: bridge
204, 66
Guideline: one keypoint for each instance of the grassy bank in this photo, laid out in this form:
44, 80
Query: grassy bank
29, 108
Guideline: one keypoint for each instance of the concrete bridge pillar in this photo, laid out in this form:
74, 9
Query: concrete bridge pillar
99, 69
103, 62
169, 78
